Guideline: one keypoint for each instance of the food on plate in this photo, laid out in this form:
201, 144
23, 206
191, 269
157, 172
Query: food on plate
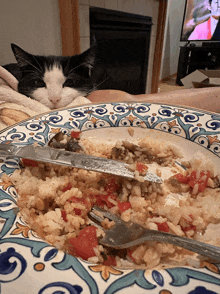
55, 200
69, 143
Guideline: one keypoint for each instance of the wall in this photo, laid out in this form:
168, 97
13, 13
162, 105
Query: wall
33, 25
175, 11
143, 7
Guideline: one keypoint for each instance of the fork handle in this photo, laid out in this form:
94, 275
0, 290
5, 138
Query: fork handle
7, 148
204, 249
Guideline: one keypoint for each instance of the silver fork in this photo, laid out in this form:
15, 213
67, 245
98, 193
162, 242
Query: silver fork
127, 234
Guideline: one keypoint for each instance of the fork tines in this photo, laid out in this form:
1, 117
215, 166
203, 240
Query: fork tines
98, 214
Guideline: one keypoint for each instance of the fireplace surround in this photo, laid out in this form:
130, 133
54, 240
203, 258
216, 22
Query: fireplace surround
123, 41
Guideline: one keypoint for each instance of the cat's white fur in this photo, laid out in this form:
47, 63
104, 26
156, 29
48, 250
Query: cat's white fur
54, 95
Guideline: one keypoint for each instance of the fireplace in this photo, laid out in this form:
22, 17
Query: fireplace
123, 41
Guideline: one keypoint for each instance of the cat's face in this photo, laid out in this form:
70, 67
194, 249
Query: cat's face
55, 81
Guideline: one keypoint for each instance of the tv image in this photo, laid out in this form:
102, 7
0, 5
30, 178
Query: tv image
201, 21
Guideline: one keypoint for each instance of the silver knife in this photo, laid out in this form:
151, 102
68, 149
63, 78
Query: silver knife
78, 160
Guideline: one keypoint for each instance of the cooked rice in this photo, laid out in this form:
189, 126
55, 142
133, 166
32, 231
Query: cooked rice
185, 211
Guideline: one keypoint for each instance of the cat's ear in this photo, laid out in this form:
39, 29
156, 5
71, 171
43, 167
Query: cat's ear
23, 58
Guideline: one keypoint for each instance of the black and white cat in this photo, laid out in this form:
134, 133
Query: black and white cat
54, 81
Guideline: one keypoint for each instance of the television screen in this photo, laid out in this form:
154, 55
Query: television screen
201, 21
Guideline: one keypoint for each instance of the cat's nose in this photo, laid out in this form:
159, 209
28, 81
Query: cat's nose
55, 99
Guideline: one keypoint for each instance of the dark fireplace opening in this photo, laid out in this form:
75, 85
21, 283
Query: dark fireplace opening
123, 41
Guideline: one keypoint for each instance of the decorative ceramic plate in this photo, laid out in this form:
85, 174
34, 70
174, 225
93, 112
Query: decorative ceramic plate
29, 265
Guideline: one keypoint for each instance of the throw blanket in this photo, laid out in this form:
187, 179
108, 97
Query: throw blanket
15, 107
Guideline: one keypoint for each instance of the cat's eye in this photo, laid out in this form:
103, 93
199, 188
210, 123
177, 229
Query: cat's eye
39, 83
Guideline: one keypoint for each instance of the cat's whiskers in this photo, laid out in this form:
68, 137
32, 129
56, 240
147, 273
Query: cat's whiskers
76, 68
96, 86
38, 63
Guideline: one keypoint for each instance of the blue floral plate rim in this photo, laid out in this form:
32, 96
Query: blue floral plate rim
84, 277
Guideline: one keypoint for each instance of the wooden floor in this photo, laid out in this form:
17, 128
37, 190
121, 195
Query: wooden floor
169, 84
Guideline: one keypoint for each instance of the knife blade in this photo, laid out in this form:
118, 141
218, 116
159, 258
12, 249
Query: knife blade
78, 160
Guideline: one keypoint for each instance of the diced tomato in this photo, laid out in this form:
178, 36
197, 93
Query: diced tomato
103, 199
83, 245
200, 178
123, 206
77, 211
141, 167
196, 177
63, 214
111, 186
99, 201
68, 187
110, 261
182, 179
29, 162
86, 203
163, 227
83, 201
75, 135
